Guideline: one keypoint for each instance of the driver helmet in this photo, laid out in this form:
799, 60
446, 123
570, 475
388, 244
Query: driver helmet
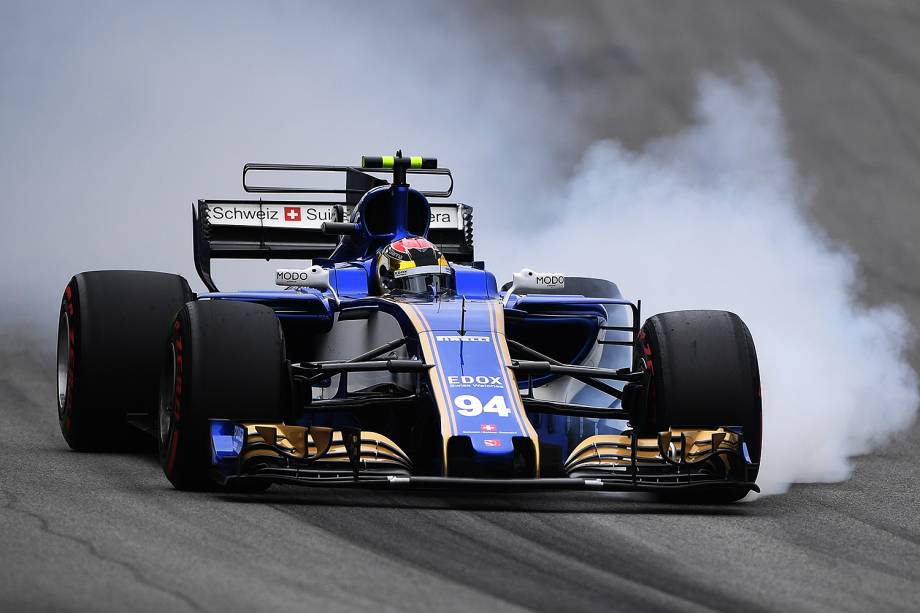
412, 265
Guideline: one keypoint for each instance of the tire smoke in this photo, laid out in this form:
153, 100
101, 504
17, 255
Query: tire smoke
713, 217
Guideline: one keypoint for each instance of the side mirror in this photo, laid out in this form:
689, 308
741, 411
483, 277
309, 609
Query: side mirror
315, 277
534, 282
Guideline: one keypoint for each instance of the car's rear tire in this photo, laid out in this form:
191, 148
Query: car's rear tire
111, 327
223, 360
703, 372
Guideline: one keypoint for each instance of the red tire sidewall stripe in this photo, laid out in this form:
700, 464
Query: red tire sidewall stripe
644, 349
174, 439
71, 310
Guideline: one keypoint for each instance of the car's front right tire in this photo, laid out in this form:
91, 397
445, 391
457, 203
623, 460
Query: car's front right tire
223, 360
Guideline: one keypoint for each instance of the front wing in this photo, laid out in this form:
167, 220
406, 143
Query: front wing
679, 459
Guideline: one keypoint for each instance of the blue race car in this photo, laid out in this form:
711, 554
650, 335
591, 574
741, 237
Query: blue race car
395, 360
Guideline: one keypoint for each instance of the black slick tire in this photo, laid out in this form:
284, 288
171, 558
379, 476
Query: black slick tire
703, 373
223, 360
111, 329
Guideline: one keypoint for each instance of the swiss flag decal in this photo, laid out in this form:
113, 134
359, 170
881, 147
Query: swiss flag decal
488, 428
292, 213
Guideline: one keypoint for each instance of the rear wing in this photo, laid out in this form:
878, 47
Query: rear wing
292, 229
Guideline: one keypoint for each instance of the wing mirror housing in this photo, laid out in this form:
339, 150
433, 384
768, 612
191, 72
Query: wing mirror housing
315, 277
529, 281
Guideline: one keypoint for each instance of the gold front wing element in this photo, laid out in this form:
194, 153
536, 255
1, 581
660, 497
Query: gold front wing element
678, 445
305, 443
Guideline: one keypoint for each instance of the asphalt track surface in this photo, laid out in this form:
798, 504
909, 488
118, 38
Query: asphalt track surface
107, 532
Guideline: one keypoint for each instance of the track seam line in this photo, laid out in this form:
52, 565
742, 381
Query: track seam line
45, 526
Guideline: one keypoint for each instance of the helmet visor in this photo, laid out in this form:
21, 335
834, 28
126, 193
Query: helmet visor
422, 279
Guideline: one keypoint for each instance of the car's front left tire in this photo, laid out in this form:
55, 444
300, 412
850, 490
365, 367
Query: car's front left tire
703, 372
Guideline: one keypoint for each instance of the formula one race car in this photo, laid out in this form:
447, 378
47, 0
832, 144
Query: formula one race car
394, 359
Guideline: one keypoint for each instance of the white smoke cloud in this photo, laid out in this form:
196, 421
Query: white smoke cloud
713, 217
